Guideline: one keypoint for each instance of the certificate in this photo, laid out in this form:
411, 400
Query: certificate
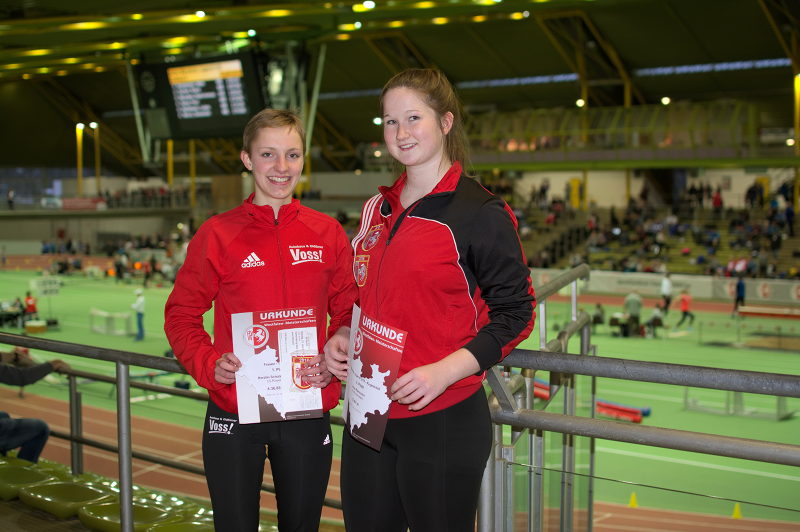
373, 362
273, 346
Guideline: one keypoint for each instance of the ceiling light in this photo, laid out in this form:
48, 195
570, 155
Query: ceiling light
377, 121
251, 33
790, 142
580, 102
93, 25
276, 13
666, 100
363, 6
39, 51
200, 14
440, 20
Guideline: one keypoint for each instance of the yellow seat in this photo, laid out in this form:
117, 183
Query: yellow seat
63, 499
14, 477
105, 517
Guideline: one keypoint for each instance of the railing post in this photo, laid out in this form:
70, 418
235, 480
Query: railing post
536, 481
588, 350
124, 444
568, 457
498, 482
75, 426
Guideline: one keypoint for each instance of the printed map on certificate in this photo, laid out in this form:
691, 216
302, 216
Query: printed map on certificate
373, 360
272, 346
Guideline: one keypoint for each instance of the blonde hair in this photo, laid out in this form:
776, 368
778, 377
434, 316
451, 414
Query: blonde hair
276, 118
439, 94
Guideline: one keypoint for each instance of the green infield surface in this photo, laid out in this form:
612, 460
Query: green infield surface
627, 474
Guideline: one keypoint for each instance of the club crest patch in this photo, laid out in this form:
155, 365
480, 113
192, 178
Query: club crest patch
372, 237
360, 267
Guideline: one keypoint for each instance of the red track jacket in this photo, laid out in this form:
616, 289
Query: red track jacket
450, 271
245, 261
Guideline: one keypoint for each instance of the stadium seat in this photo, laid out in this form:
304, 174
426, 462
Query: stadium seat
184, 526
172, 503
14, 477
60, 471
105, 517
63, 499
13, 460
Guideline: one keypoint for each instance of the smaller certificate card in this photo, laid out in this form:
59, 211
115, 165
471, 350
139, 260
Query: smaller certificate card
272, 346
373, 361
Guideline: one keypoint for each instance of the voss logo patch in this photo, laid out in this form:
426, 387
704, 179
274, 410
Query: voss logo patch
219, 425
306, 253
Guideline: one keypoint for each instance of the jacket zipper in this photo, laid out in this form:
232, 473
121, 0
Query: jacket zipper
280, 262
394, 230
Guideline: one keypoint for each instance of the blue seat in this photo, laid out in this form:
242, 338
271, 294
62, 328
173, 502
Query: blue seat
63, 499
14, 477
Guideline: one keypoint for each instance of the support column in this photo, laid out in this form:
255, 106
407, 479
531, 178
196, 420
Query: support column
79, 154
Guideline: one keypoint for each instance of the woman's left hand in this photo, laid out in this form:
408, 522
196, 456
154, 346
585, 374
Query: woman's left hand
423, 384
315, 372
419, 387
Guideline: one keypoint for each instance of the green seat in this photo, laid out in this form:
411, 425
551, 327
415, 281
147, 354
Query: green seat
63, 499
13, 460
14, 477
104, 516
184, 526
60, 471
172, 503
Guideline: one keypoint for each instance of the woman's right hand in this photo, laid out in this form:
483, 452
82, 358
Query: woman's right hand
226, 367
336, 353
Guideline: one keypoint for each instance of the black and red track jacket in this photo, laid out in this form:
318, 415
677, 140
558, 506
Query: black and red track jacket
450, 271
243, 260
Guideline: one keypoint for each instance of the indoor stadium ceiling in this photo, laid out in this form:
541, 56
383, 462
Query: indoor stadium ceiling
503, 55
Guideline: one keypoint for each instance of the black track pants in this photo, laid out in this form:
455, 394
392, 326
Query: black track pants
300, 455
427, 475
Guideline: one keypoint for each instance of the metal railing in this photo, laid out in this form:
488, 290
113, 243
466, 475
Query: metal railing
512, 404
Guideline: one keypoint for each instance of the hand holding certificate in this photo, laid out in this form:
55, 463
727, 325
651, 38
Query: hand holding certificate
374, 359
274, 348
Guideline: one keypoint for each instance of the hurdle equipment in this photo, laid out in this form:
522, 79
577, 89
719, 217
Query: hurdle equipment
770, 312
113, 323
734, 405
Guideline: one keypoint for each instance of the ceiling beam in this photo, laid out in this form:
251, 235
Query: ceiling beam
785, 25
76, 110
590, 55
335, 147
